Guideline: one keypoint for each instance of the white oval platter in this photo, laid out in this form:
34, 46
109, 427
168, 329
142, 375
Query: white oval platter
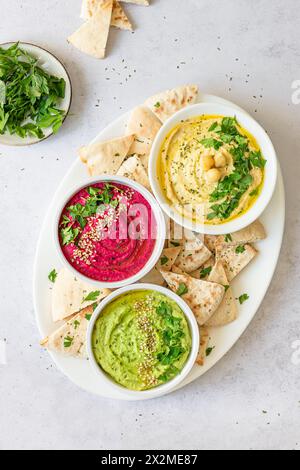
254, 280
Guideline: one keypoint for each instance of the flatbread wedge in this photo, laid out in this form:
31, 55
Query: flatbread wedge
193, 254
204, 341
165, 104
168, 258
70, 339
204, 271
68, 295
227, 311
106, 157
137, 2
134, 169
144, 125
203, 297
251, 234
91, 38
233, 261
118, 19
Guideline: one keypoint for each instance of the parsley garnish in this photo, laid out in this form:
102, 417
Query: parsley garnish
228, 238
68, 341
164, 260
88, 317
243, 298
211, 142
52, 276
157, 105
76, 324
209, 351
240, 249
205, 272
182, 289
69, 235
92, 296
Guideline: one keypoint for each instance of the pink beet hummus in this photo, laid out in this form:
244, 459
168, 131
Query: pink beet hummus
107, 232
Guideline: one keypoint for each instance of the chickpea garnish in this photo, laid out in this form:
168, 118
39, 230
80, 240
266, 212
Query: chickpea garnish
220, 161
207, 162
213, 175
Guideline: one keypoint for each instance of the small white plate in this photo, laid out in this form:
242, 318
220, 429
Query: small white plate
254, 280
52, 65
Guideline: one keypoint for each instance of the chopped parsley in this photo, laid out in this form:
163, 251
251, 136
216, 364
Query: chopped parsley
92, 296
182, 289
209, 351
164, 260
52, 276
68, 341
228, 238
157, 105
240, 249
211, 143
243, 298
76, 324
205, 272
88, 317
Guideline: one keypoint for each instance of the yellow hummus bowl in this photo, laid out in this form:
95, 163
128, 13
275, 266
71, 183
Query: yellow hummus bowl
213, 169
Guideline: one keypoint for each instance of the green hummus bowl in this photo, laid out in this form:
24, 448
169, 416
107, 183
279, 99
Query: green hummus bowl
143, 339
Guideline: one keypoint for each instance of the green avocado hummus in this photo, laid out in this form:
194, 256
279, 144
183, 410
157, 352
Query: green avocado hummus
142, 340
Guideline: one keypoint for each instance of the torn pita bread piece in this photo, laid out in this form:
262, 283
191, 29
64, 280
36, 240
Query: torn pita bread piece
193, 254
70, 339
227, 311
133, 169
175, 234
91, 38
144, 125
118, 19
235, 260
251, 234
137, 2
69, 294
203, 297
106, 157
168, 258
204, 341
167, 103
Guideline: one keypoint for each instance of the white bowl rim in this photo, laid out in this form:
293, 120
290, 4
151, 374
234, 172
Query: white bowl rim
194, 330
270, 175
158, 214
35, 47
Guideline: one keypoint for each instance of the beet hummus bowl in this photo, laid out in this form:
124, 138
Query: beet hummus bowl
110, 231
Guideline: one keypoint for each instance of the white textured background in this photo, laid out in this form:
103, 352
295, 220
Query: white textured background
246, 51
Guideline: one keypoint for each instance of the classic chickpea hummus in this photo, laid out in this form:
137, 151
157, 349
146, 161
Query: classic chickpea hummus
211, 170
108, 232
142, 340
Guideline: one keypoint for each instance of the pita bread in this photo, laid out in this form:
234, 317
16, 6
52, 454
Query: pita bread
137, 2
70, 339
193, 254
144, 125
68, 293
91, 38
154, 277
134, 169
254, 233
204, 341
118, 18
165, 104
209, 242
227, 311
106, 157
234, 262
168, 258
176, 234
203, 297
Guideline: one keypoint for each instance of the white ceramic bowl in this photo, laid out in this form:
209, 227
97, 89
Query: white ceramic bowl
161, 230
52, 65
270, 170
161, 389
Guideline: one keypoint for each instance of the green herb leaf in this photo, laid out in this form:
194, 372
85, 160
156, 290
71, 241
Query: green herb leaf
243, 298
92, 297
88, 317
209, 351
228, 238
211, 143
182, 289
76, 324
52, 276
240, 249
205, 272
68, 341
164, 260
